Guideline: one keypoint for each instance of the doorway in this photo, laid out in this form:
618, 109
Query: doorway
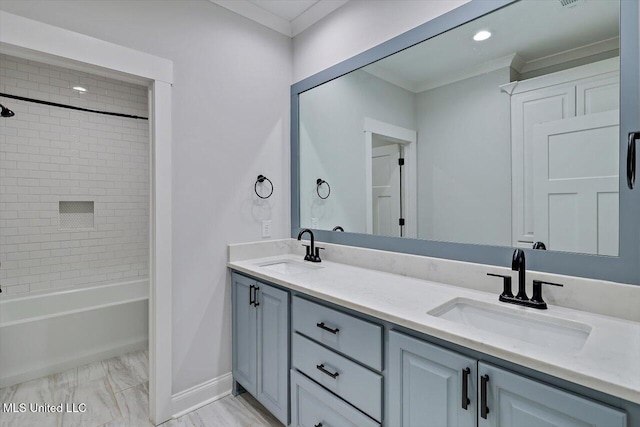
52, 46
391, 187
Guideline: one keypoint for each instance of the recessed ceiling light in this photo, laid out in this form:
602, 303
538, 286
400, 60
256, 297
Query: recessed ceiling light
79, 88
482, 35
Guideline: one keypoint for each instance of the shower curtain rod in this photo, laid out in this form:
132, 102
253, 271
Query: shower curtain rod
71, 107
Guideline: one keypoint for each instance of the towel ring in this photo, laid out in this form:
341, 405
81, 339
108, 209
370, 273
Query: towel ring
319, 182
261, 179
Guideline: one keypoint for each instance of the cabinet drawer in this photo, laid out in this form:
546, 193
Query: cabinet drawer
357, 338
311, 405
354, 383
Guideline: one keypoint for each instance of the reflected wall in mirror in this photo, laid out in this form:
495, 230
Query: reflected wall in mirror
506, 141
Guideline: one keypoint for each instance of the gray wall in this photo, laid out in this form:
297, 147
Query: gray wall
332, 144
464, 161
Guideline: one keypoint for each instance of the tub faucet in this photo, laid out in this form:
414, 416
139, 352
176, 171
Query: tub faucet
313, 253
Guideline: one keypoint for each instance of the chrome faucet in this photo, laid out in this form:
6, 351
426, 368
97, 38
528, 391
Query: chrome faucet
518, 264
313, 253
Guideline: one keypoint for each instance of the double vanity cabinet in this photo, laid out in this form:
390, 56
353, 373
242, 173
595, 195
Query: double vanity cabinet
314, 364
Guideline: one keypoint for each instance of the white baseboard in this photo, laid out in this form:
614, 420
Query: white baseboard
202, 394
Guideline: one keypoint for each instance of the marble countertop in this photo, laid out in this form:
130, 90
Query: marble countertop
608, 362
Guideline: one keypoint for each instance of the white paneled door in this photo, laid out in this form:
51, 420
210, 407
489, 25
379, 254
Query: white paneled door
386, 190
576, 183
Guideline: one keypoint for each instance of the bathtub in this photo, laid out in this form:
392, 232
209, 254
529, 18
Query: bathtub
48, 333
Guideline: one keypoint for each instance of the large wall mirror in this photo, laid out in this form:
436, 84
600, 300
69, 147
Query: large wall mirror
504, 131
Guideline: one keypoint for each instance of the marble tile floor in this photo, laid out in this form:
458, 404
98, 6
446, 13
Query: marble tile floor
116, 394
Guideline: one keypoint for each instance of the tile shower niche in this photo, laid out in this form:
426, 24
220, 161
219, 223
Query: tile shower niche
76, 215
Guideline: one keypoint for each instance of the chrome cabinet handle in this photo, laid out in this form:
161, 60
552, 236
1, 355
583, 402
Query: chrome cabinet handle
321, 325
321, 368
465, 388
631, 159
251, 287
484, 409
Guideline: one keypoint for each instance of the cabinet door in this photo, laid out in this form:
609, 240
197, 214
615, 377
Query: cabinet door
426, 385
514, 400
244, 333
273, 350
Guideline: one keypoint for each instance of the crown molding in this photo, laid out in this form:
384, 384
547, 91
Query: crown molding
288, 28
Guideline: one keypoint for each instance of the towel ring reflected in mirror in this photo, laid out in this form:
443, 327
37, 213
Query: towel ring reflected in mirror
319, 183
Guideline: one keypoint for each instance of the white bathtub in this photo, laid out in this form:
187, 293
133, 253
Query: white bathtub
48, 333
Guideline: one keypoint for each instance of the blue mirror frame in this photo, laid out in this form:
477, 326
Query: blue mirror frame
624, 268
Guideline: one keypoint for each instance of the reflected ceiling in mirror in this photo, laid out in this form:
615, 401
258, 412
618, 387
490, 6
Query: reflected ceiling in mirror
506, 141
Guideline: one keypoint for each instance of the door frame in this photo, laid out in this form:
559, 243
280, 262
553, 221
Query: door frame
34, 40
408, 139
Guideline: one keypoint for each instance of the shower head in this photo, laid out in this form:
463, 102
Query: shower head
6, 112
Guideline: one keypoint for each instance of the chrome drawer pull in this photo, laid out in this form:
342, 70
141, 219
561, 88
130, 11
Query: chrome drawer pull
323, 326
333, 375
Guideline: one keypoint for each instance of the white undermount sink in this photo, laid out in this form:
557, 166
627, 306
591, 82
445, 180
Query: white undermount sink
517, 323
290, 266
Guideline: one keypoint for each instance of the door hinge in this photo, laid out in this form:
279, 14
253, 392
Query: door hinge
401, 161
401, 222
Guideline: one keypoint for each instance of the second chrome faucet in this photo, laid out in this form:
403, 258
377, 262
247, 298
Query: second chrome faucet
518, 264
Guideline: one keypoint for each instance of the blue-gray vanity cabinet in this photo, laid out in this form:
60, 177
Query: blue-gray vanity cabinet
313, 406
427, 385
514, 400
244, 333
261, 343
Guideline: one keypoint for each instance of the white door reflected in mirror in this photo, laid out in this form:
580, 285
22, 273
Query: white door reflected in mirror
576, 184
386, 190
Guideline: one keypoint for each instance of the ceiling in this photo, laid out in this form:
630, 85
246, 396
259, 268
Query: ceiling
288, 17
527, 36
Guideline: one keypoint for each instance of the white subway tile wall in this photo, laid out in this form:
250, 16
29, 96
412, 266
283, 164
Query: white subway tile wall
51, 154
